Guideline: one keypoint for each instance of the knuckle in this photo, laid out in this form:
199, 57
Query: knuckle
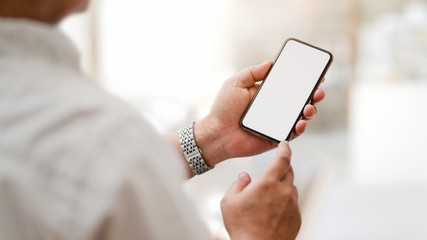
285, 155
224, 202
295, 192
291, 173
267, 183
268, 186
288, 193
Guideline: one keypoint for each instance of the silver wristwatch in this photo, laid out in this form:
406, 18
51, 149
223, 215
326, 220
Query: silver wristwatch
192, 153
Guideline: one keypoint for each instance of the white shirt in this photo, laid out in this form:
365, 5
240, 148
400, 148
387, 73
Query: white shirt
76, 163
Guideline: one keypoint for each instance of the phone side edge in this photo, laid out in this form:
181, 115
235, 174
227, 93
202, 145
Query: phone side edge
319, 81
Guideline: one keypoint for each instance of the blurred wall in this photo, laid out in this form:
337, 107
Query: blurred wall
360, 165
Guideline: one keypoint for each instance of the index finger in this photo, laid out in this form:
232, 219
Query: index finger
280, 164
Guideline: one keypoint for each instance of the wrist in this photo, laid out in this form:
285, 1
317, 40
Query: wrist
208, 138
245, 235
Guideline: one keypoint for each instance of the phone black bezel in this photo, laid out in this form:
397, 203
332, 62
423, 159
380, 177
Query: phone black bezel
309, 99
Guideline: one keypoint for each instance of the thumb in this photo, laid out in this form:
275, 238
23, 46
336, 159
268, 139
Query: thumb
241, 183
250, 75
258, 72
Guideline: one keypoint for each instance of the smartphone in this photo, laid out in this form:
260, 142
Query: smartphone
289, 85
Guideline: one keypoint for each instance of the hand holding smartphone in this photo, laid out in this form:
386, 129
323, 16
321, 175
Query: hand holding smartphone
289, 85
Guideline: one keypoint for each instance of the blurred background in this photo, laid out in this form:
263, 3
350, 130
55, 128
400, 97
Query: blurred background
361, 165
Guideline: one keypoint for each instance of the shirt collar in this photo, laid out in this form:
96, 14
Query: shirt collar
23, 38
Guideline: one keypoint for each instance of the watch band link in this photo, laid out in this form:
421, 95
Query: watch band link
192, 153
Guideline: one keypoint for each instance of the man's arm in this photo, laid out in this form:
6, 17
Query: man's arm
219, 134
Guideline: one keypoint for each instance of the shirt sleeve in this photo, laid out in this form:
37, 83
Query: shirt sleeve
76, 163
148, 202
91, 168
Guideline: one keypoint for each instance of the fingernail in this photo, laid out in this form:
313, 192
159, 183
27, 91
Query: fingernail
242, 175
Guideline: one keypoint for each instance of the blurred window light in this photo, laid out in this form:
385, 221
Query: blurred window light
164, 49
393, 47
161, 47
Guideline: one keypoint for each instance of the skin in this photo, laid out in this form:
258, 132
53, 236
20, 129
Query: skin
268, 207
219, 134
48, 11
264, 209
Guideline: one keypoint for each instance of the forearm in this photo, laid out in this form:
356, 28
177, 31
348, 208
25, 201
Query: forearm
209, 138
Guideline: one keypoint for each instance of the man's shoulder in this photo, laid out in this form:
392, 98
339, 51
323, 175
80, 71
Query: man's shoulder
61, 104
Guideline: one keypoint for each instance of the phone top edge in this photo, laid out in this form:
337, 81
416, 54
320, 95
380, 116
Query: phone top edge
331, 56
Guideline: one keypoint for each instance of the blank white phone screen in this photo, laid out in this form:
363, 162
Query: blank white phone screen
286, 90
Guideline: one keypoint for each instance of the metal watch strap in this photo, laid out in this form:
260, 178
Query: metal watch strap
192, 153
